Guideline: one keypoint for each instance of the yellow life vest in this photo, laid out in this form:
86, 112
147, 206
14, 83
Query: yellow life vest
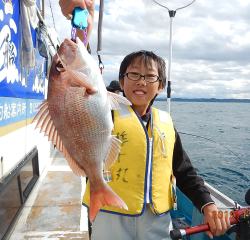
130, 175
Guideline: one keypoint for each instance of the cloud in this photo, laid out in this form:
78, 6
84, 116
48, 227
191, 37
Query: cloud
211, 42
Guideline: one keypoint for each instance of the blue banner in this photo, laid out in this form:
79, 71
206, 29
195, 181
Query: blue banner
16, 80
14, 110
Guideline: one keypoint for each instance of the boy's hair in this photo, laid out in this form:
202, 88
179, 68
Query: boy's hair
146, 58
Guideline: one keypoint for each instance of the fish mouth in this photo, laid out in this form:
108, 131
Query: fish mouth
72, 50
71, 44
67, 52
80, 44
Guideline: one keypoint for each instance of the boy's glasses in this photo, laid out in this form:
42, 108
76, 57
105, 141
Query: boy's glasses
151, 78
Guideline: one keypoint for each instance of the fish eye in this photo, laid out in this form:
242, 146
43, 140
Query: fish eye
59, 67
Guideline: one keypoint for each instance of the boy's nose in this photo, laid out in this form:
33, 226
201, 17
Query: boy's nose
141, 81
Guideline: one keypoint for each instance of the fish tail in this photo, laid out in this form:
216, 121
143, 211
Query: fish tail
105, 196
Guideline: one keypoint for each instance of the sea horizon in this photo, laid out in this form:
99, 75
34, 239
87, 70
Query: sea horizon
233, 100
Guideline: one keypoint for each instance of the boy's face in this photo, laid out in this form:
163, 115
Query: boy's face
140, 92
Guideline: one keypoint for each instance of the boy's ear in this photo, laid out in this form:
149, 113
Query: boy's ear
121, 83
160, 88
159, 91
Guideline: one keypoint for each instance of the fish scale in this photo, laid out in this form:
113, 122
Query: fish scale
76, 117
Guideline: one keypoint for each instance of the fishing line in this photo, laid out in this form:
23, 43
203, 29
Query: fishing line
52, 15
232, 152
157, 2
99, 35
214, 142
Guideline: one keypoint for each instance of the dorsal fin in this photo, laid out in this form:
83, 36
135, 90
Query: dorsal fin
44, 102
54, 138
46, 123
43, 109
51, 132
48, 128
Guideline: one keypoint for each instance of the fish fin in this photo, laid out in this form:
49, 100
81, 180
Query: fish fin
104, 196
82, 79
44, 102
51, 132
115, 98
61, 146
54, 138
112, 153
72, 164
45, 123
58, 142
48, 128
44, 108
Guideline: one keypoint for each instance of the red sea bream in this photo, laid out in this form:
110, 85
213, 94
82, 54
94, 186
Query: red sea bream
76, 118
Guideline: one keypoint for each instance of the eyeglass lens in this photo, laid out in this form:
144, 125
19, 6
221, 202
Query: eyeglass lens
137, 76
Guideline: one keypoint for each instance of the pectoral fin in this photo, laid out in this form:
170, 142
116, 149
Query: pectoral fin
82, 80
115, 98
112, 153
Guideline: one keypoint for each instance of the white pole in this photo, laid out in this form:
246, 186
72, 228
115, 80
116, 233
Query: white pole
171, 14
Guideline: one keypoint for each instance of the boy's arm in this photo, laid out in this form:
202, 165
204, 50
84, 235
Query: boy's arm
187, 179
193, 187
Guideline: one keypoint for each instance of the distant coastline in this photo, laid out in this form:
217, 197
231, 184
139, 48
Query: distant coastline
205, 100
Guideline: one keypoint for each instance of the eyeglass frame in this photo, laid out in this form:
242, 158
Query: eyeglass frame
144, 77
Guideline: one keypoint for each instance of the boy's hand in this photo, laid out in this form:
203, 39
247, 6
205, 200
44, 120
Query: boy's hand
217, 226
68, 6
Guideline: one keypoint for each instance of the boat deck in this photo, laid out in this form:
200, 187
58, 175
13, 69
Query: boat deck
54, 210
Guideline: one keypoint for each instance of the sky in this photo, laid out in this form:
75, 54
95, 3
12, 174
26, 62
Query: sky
210, 42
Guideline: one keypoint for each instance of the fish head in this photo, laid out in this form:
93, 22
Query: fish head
73, 66
72, 54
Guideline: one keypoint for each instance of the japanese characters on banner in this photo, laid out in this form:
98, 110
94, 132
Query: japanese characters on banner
14, 110
20, 88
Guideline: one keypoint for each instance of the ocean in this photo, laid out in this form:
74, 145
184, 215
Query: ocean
219, 144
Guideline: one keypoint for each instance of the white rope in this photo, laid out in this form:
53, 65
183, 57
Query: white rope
161, 140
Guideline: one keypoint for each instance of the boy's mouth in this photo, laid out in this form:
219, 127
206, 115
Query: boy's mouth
139, 92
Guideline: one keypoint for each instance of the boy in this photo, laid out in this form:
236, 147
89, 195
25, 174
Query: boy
150, 152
